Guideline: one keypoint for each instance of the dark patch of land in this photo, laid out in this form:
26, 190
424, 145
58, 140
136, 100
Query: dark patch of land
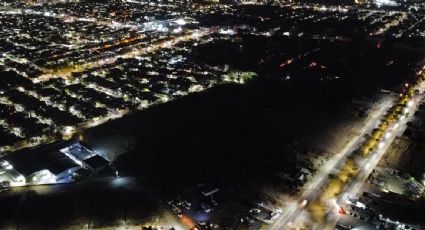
231, 134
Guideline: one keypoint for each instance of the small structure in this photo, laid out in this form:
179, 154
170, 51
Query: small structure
77, 152
85, 157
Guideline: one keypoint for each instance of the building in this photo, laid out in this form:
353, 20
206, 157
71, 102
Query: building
95, 163
85, 157
43, 165
51, 164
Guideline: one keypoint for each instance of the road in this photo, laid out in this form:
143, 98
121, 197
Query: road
365, 169
135, 52
367, 165
321, 178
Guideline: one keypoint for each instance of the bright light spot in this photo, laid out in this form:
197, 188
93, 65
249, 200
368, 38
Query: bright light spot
180, 22
367, 165
68, 130
21, 179
410, 103
120, 182
226, 31
396, 125
380, 3
381, 145
360, 205
177, 30
44, 177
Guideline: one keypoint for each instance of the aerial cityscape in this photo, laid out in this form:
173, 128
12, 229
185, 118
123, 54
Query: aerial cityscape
212, 114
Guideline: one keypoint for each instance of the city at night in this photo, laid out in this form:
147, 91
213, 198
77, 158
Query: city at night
212, 114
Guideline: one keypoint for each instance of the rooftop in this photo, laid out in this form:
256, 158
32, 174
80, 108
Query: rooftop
29, 162
96, 161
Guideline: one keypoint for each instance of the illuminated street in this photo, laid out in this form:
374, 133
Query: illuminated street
366, 167
322, 177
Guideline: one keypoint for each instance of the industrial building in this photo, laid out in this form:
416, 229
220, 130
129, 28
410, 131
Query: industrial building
50, 164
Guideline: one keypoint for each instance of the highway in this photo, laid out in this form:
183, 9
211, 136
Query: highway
366, 166
321, 178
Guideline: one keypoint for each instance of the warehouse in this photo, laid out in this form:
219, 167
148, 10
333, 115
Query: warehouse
43, 165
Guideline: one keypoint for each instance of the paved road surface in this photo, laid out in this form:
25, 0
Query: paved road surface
322, 177
366, 167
